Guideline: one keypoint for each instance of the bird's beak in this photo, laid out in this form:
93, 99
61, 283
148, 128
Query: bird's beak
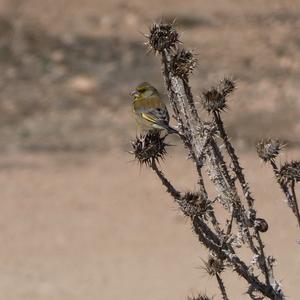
134, 93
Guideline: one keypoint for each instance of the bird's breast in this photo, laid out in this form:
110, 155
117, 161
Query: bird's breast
151, 102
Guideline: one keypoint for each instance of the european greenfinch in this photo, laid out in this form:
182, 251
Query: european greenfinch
150, 111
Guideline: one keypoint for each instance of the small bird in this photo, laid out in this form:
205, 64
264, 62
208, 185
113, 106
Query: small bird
149, 109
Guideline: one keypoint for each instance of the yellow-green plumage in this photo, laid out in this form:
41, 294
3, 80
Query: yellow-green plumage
150, 111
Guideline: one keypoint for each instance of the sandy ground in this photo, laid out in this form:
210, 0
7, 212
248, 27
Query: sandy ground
68, 231
78, 218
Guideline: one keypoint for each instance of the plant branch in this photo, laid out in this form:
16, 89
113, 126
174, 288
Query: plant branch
222, 287
296, 207
237, 168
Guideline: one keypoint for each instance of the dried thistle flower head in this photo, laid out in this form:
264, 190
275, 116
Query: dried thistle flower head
289, 172
162, 36
214, 100
200, 297
214, 265
261, 225
149, 147
193, 204
183, 63
268, 149
226, 86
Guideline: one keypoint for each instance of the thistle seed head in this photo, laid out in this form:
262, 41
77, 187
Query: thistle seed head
214, 265
289, 172
193, 204
268, 149
162, 36
149, 147
261, 225
214, 100
226, 86
183, 63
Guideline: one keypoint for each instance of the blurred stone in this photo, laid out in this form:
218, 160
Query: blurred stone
82, 84
57, 56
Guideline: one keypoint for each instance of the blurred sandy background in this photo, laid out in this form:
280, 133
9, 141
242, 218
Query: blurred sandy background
78, 218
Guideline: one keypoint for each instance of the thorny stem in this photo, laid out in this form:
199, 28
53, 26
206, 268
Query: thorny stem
176, 109
176, 90
215, 222
237, 168
229, 228
211, 213
263, 264
190, 99
238, 209
222, 287
296, 207
245, 187
290, 195
283, 187
222, 163
170, 189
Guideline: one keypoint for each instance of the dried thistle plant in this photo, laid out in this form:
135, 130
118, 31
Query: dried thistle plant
243, 228
268, 149
287, 175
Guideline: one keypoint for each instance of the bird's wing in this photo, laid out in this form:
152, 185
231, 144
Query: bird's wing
157, 115
152, 110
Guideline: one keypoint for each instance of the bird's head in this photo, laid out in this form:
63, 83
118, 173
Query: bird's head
144, 90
